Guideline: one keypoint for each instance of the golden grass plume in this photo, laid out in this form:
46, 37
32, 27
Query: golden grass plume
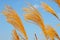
49, 9
36, 17
15, 35
33, 14
51, 32
13, 18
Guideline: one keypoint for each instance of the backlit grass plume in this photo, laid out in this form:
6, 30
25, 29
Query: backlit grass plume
13, 18
36, 17
51, 32
33, 15
49, 9
15, 35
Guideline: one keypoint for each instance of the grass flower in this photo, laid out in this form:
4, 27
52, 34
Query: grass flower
51, 32
13, 18
15, 35
36, 17
49, 9
33, 14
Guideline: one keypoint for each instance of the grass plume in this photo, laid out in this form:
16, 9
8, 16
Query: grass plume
13, 18
34, 15
51, 32
15, 35
49, 9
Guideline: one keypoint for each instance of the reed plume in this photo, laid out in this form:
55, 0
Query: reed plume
15, 35
49, 9
33, 14
36, 17
51, 32
13, 18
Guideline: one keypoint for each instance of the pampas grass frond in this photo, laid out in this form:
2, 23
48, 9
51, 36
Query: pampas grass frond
36, 17
14, 19
51, 32
33, 14
49, 9
15, 35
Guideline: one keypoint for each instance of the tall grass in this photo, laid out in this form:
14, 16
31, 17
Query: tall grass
32, 14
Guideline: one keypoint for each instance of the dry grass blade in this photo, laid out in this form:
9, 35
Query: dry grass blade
51, 32
14, 19
49, 9
36, 36
15, 35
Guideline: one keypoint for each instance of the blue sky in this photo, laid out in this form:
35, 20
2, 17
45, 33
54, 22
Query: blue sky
6, 28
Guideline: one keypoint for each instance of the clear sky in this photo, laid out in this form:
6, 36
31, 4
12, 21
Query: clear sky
6, 28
